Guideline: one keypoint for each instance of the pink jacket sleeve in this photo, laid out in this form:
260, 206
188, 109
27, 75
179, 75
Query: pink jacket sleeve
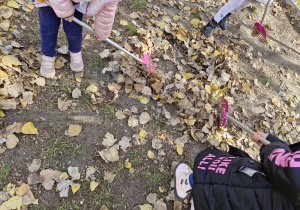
104, 20
63, 8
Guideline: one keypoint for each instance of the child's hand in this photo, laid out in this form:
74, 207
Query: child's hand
69, 19
257, 136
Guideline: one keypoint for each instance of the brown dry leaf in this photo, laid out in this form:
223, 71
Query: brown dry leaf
58, 64
114, 87
74, 130
49, 177
23, 189
120, 115
63, 104
12, 141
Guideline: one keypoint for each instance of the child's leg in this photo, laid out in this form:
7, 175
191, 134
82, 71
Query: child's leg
245, 4
49, 25
227, 8
74, 33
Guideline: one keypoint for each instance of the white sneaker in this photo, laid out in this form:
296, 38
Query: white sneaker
76, 61
47, 67
182, 183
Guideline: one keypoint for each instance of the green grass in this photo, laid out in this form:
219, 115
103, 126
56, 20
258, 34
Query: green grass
96, 62
5, 168
157, 125
37, 207
63, 206
155, 179
85, 100
58, 147
65, 89
33, 34
134, 157
252, 9
268, 42
139, 4
132, 30
265, 79
109, 112
105, 196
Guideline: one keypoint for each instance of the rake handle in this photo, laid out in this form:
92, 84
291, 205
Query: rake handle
251, 132
266, 11
107, 39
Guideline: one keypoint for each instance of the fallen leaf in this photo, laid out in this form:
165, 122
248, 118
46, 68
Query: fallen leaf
23, 189
111, 154
89, 172
49, 176
127, 165
14, 202
75, 187
74, 172
150, 154
132, 122
91, 89
74, 130
144, 118
10, 60
63, 104
93, 185
120, 115
12, 141
108, 140
11, 189
58, 64
63, 188
143, 100
142, 134
64, 176
35, 165
13, 4
146, 206
179, 149
123, 22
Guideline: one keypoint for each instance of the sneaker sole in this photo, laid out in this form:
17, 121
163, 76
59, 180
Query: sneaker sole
75, 69
175, 191
49, 75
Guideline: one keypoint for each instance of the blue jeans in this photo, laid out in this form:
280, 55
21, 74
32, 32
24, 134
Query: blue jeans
49, 25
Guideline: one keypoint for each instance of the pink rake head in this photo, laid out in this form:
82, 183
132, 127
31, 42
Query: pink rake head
225, 110
260, 31
149, 63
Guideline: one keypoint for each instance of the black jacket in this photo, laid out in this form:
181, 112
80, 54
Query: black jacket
235, 181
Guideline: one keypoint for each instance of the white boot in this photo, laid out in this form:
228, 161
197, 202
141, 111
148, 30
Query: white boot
76, 61
182, 183
47, 66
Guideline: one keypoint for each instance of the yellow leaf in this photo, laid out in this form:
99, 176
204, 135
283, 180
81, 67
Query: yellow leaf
157, 97
10, 60
214, 86
11, 189
75, 187
195, 22
289, 119
64, 176
128, 165
30, 6
216, 53
14, 202
190, 120
189, 76
143, 100
58, 64
93, 185
208, 107
298, 42
2, 114
195, 10
144, 47
235, 57
92, 88
242, 42
3, 74
150, 154
28, 128
187, 8
142, 134
78, 79
181, 35
146, 207
124, 23
74, 130
176, 17
161, 189
13, 4
179, 149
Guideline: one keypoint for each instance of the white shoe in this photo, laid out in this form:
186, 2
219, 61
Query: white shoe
47, 67
192, 204
76, 61
182, 183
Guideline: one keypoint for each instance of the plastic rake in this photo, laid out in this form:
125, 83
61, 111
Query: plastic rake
258, 29
145, 60
225, 116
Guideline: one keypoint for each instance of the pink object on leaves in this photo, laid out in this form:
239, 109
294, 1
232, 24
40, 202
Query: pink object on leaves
149, 63
262, 32
225, 107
